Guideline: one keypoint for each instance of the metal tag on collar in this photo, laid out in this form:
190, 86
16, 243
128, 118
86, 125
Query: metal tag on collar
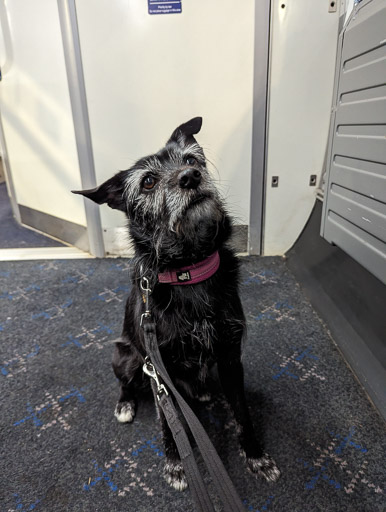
184, 276
149, 369
145, 287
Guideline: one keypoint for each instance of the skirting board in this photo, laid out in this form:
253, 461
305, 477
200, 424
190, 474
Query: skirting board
43, 253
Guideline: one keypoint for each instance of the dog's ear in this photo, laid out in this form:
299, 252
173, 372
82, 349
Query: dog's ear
110, 192
184, 133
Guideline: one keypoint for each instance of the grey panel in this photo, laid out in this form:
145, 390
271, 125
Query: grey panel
259, 136
358, 210
365, 110
360, 175
77, 90
354, 212
69, 232
365, 31
364, 77
368, 250
360, 146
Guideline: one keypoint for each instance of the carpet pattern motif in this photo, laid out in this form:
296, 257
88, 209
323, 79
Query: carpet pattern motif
63, 450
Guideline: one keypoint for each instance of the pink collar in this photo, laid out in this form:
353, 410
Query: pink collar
192, 274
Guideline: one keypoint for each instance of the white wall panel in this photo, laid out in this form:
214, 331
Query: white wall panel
303, 53
145, 74
36, 111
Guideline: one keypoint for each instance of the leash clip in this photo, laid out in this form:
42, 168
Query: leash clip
146, 292
149, 369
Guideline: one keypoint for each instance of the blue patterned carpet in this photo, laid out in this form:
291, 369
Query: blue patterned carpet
62, 449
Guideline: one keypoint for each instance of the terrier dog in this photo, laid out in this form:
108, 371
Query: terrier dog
180, 231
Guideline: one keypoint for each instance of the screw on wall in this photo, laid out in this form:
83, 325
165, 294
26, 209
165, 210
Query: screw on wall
332, 5
313, 180
275, 181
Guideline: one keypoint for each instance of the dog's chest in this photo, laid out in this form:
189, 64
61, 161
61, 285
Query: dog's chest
190, 347
187, 322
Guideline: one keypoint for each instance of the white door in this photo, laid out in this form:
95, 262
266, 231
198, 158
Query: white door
37, 121
146, 74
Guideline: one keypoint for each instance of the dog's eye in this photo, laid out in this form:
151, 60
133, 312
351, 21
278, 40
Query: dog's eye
149, 182
191, 160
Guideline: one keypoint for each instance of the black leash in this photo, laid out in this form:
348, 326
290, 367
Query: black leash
154, 367
193, 476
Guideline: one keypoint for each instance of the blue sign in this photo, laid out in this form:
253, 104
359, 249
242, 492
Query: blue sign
164, 6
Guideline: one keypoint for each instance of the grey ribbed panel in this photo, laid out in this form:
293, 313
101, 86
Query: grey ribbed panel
354, 213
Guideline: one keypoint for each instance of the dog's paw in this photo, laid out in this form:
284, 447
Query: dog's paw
125, 412
175, 476
205, 397
264, 466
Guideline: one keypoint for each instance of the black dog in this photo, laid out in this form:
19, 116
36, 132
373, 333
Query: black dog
177, 221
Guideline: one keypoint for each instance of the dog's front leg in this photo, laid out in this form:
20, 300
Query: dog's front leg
231, 375
127, 368
173, 470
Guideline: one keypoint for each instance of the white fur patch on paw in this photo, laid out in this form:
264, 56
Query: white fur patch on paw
124, 412
174, 475
206, 397
264, 466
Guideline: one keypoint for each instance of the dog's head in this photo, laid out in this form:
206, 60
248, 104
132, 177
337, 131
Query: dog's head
174, 208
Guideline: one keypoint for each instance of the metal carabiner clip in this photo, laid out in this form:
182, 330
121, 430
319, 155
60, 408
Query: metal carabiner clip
149, 369
145, 287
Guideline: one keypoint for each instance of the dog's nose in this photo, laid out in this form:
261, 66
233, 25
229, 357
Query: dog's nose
190, 178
